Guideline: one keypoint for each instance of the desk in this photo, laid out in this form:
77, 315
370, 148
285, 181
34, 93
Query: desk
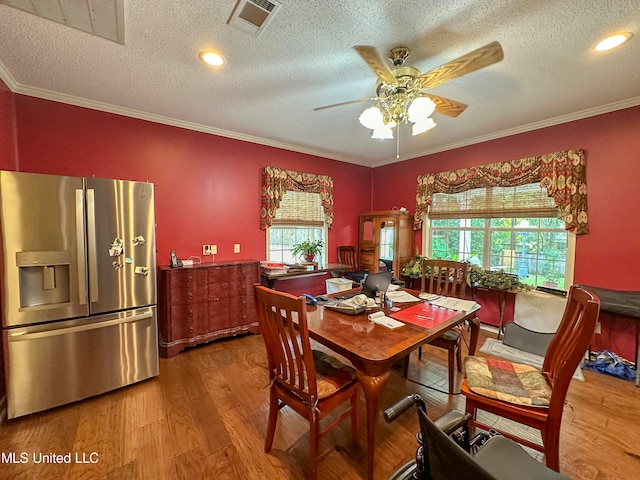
373, 349
334, 268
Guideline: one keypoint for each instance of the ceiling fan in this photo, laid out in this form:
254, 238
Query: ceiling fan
401, 94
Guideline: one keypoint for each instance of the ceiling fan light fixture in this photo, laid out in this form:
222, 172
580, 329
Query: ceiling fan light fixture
420, 109
400, 94
612, 41
422, 126
383, 132
372, 118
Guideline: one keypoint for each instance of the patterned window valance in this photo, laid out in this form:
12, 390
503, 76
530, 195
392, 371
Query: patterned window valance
276, 181
563, 174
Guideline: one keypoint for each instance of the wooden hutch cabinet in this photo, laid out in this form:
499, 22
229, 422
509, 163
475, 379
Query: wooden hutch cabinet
205, 302
386, 235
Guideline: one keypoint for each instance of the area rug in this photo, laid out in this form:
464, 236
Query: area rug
498, 349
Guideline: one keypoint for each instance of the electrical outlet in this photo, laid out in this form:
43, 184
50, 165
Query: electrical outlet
214, 249
598, 329
206, 249
236, 248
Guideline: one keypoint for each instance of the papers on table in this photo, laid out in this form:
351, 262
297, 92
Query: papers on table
452, 303
401, 296
381, 319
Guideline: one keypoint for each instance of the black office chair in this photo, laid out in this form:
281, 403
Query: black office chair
447, 453
347, 256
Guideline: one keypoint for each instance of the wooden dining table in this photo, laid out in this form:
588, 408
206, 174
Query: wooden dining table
373, 349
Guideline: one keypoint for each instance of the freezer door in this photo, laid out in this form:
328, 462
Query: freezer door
121, 244
62, 362
43, 248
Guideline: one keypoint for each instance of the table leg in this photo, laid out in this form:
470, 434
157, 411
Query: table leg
474, 324
372, 387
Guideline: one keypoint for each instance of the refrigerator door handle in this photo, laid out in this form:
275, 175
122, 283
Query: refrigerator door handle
92, 245
80, 241
23, 335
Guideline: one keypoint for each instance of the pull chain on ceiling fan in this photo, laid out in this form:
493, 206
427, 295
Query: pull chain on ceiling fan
401, 94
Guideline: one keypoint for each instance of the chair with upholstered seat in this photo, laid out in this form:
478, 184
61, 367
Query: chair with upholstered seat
448, 278
311, 382
530, 396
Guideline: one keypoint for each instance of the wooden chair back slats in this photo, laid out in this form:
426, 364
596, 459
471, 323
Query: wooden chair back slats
288, 348
569, 343
347, 256
444, 277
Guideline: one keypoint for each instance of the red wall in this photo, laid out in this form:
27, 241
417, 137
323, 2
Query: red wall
607, 257
207, 187
7, 128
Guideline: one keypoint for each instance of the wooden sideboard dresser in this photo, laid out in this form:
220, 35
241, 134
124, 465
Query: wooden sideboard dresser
205, 302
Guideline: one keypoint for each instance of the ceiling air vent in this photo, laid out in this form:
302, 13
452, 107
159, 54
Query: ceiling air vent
101, 18
253, 16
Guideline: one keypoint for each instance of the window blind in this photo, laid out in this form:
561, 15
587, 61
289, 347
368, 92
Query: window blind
528, 201
300, 208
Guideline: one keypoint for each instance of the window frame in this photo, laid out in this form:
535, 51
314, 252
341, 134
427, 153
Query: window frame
321, 259
486, 254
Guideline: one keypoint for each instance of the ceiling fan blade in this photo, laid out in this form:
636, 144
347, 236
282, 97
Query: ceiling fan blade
371, 56
345, 103
446, 106
472, 61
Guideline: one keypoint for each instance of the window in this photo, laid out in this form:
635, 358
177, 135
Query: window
386, 241
514, 228
299, 217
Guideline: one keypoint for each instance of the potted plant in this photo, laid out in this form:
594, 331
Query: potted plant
496, 279
308, 249
413, 266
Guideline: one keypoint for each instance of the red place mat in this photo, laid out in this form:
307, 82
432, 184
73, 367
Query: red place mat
424, 315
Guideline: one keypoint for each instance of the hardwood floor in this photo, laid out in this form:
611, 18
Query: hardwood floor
205, 417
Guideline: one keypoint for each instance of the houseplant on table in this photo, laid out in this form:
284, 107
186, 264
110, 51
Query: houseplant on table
308, 249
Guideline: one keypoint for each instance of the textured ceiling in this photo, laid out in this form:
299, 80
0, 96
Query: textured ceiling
304, 59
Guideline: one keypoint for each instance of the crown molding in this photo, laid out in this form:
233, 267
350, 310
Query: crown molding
591, 112
129, 112
8, 78
15, 87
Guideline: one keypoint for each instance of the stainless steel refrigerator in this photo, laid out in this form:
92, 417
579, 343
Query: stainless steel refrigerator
78, 287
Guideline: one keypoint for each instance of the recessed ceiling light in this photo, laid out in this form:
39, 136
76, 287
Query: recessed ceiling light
613, 41
212, 58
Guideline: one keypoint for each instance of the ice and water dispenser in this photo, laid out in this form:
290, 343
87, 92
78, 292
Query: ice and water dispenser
44, 278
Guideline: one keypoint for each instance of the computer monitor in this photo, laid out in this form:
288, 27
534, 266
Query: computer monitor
376, 282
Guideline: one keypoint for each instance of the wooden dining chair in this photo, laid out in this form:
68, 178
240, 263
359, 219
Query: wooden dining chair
448, 278
310, 382
530, 396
